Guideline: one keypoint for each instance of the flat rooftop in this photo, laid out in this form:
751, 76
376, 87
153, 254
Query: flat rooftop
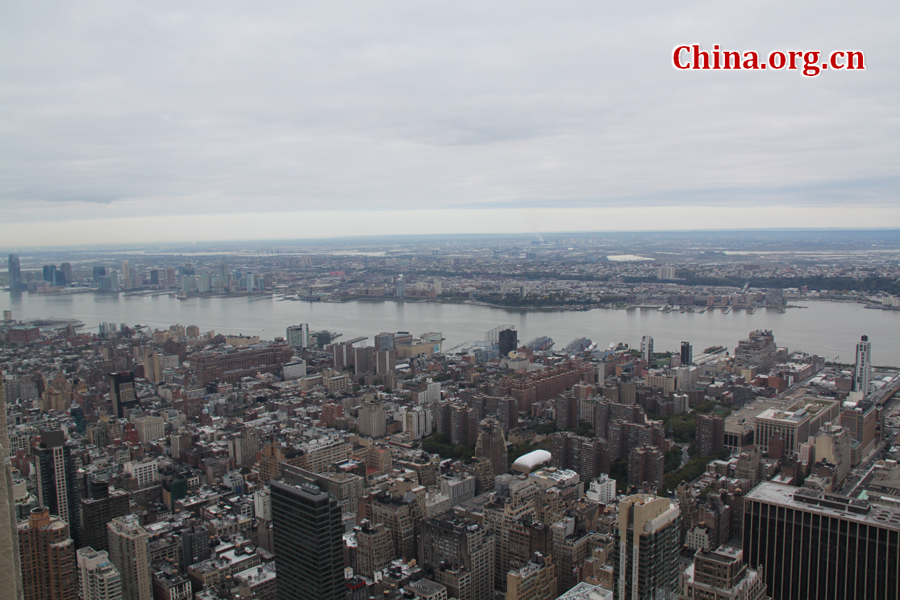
853, 509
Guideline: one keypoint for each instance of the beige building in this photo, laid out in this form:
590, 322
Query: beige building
374, 548
796, 423
129, 553
535, 581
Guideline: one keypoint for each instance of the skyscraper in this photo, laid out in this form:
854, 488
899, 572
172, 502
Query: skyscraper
812, 545
98, 578
863, 371
298, 336
687, 353
647, 348
129, 552
491, 445
15, 273
646, 560
507, 342
308, 540
122, 395
97, 511
372, 418
55, 470
47, 554
9, 537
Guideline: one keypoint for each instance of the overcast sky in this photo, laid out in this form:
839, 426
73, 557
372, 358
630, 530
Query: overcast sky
156, 121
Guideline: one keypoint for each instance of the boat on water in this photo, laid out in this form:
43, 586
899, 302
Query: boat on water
684, 309
668, 309
703, 310
661, 309
727, 309
752, 310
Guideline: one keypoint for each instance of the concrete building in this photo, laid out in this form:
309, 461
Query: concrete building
491, 444
862, 373
129, 553
710, 434
98, 578
647, 349
9, 535
795, 424
372, 418
460, 551
758, 351
721, 575
646, 557
536, 580
374, 548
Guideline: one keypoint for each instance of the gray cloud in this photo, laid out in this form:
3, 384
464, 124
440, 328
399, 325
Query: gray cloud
113, 109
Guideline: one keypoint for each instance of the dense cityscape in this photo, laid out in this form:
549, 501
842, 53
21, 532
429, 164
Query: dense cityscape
180, 463
452, 300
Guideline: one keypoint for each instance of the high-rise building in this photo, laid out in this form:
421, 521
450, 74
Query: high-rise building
98, 578
649, 542
47, 554
122, 395
308, 540
537, 580
710, 434
129, 552
722, 575
67, 272
56, 479
15, 273
461, 553
384, 341
646, 465
153, 367
374, 548
863, 371
372, 418
298, 336
758, 350
9, 536
98, 510
507, 342
647, 348
687, 353
665, 273
810, 545
491, 445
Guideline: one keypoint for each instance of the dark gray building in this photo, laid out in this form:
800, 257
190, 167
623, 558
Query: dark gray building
812, 545
306, 524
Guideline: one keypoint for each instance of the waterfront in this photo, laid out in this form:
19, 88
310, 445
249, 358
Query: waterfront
830, 329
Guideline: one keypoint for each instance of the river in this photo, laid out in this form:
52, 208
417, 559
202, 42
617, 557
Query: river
830, 329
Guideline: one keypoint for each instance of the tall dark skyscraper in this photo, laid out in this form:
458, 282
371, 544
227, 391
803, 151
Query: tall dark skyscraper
687, 353
122, 395
812, 545
56, 486
508, 341
15, 273
306, 524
